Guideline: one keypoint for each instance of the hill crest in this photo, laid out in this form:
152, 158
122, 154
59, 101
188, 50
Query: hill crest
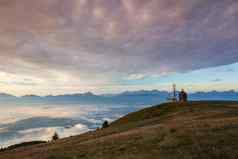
188, 130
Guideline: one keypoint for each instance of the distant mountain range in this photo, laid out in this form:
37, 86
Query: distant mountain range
142, 97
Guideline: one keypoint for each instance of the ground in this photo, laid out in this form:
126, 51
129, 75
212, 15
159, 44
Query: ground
195, 130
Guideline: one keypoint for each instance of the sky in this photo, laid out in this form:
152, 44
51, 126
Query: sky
104, 46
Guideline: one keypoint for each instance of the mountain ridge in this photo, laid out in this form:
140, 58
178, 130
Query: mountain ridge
142, 97
139, 92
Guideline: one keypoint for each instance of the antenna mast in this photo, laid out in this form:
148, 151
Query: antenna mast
174, 98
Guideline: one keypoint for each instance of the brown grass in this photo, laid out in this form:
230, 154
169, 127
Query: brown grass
198, 130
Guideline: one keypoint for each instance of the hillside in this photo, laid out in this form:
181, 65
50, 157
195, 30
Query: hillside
196, 130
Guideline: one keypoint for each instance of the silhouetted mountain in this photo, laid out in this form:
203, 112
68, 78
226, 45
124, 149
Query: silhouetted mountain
143, 97
7, 97
4, 95
144, 93
31, 97
215, 95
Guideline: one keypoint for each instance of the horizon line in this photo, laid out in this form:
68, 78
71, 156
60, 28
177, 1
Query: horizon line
126, 91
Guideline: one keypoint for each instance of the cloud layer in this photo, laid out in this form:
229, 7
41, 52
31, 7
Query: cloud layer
84, 40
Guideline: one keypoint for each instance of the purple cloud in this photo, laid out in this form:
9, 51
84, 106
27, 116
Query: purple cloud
86, 38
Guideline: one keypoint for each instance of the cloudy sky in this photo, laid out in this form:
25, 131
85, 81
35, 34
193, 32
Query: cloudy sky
68, 46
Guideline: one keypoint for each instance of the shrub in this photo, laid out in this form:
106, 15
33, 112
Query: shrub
55, 137
105, 124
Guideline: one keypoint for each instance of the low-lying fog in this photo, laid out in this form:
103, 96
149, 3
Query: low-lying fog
22, 123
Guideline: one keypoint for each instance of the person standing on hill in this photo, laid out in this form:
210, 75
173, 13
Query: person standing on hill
183, 96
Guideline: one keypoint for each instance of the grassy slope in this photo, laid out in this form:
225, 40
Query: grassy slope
199, 130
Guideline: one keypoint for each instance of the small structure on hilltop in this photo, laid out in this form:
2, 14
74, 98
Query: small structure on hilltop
178, 97
173, 97
183, 96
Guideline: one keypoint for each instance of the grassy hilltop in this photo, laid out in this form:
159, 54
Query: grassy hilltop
196, 130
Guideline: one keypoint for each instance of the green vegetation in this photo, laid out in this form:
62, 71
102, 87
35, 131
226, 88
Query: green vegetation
195, 130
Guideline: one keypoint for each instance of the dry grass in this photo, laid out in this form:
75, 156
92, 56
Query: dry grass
198, 130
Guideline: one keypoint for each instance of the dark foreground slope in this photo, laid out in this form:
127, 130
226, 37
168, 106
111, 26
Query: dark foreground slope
198, 130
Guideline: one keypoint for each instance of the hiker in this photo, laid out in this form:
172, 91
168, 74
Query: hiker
183, 96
